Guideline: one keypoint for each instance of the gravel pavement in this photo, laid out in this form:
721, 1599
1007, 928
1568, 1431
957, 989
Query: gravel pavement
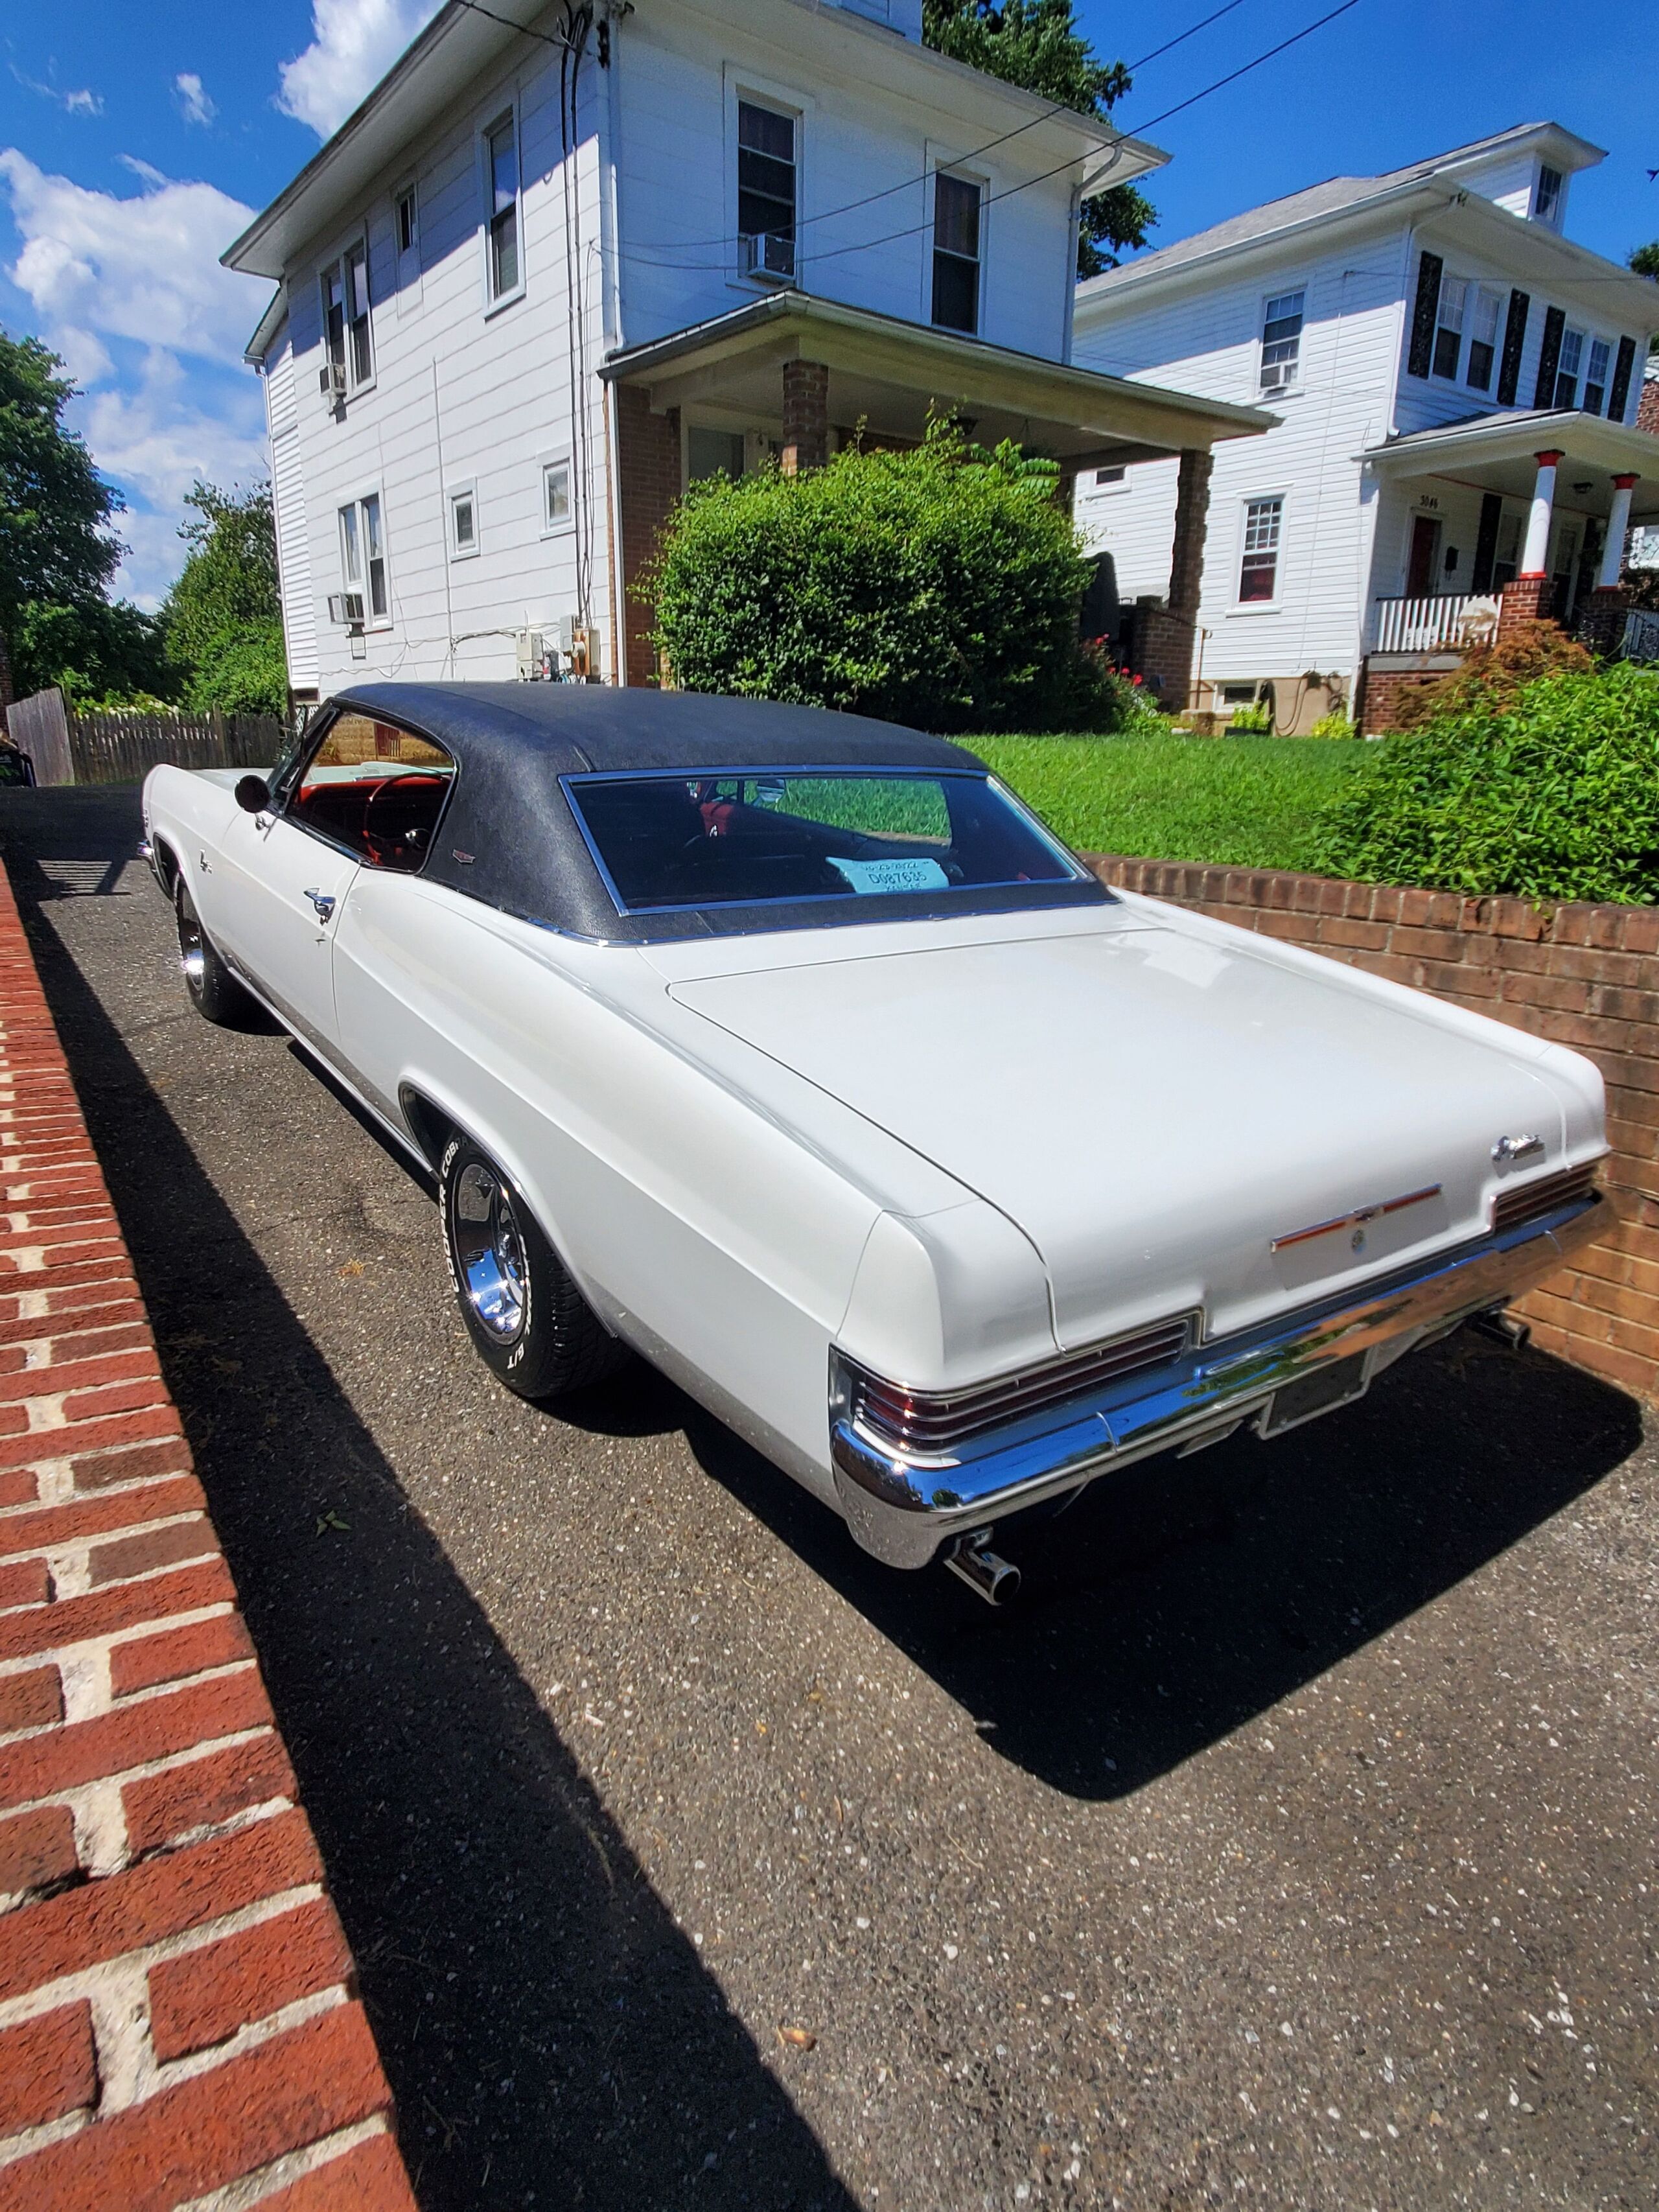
1291, 1843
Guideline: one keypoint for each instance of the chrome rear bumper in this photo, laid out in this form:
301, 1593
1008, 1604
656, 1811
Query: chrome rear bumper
902, 1509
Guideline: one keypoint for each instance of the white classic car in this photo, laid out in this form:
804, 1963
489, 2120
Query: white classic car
791, 1051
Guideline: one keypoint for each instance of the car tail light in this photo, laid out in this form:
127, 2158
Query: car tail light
929, 1422
1531, 1201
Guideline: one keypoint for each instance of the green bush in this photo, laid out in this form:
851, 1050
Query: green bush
1256, 721
1334, 724
939, 587
1553, 793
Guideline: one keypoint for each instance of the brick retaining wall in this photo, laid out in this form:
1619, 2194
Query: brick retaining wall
1582, 976
177, 2012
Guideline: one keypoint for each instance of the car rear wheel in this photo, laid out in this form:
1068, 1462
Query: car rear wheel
214, 991
529, 1324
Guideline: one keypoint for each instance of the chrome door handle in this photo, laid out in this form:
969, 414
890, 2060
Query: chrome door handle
323, 902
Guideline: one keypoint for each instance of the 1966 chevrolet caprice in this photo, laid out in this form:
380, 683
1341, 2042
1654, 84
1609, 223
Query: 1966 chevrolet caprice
791, 1051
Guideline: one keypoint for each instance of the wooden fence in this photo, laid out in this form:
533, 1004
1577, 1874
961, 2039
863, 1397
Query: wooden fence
66, 747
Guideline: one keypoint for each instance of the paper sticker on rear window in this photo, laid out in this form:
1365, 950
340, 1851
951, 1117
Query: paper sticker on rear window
891, 875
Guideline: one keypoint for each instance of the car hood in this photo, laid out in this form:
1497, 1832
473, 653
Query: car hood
1155, 1106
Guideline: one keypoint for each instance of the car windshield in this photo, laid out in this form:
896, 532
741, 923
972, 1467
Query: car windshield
789, 835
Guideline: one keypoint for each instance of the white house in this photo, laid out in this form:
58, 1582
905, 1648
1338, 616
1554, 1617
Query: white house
1429, 339
567, 256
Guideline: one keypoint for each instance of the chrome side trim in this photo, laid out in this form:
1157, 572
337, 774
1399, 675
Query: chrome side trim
902, 1509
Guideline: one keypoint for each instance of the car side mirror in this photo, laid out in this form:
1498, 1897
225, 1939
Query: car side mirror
253, 794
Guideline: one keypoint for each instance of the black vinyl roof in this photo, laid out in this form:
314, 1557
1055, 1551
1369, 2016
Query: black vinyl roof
508, 836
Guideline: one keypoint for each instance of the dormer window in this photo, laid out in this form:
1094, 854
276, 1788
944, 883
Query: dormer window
1547, 198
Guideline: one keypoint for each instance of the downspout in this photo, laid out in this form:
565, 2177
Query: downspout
1074, 233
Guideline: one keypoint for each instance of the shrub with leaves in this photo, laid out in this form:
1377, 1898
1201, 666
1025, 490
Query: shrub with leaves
939, 587
1496, 673
1553, 793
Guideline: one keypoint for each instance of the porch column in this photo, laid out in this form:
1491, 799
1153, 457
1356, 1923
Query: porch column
1164, 635
1536, 554
1613, 553
805, 416
647, 483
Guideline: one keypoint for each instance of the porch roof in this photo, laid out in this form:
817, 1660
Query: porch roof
887, 372
1499, 453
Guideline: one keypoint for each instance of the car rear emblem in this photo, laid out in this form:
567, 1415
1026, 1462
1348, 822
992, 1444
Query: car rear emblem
1516, 1148
1356, 1220
465, 858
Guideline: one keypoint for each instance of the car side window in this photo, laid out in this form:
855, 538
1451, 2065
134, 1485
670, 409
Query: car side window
374, 788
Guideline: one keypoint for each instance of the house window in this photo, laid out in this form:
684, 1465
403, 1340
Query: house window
1448, 327
1258, 575
956, 253
363, 555
463, 522
347, 338
1595, 377
555, 496
1506, 566
1567, 367
1106, 478
1281, 341
501, 156
1546, 200
407, 221
1483, 340
712, 454
768, 181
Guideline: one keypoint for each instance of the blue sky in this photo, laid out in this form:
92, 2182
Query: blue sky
134, 138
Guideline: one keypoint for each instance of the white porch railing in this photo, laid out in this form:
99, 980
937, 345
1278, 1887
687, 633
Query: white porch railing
1427, 625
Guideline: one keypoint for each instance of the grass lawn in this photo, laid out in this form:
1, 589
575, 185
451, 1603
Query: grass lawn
1248, 802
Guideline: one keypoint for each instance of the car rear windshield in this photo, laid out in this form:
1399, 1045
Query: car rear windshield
789, 836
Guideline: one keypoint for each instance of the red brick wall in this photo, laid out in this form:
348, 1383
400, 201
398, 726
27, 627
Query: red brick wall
648, 488
1386, 691
176, 2004
805, 416
1582, 976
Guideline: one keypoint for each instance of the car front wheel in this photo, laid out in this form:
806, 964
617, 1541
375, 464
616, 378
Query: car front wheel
214, 991
531, 1325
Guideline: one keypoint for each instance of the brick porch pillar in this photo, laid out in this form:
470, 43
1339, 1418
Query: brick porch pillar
1165, 636
805, 416
647, 490
1520, 604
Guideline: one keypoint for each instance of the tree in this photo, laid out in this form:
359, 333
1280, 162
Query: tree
223, 620
56, 552
1035, 44
1644, 260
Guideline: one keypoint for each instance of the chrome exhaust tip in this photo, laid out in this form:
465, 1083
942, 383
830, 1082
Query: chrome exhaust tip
1502, 1327
989, 1575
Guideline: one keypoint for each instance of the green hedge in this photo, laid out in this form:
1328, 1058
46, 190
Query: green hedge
940, 586
1553, 793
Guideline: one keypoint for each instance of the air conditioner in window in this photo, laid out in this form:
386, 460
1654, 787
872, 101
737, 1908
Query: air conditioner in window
331, 381
346, 607
769, 255
1277, 375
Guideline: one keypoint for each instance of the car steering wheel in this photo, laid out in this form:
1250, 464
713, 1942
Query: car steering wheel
381, 848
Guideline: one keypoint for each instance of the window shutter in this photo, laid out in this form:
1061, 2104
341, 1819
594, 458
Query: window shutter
1428, 267
1621, 375
1486, 543
1515, 337
1549, 358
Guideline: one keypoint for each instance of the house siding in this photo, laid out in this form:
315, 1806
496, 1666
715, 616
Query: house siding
288, 498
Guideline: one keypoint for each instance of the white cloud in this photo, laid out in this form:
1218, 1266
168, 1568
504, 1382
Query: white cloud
130, 292
72, 103
354, 44
145, 268
191, 95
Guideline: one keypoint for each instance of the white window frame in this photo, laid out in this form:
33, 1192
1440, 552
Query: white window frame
1552, 214
1610, 353
1464, 287
561, 459
1474, 300
355, 241
940, 162
454, 497
1108, 483
358, 506
496, 112
1580, 357
742, 84
1246, 502
1264, 393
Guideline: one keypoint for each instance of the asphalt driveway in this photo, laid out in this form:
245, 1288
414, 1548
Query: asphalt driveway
1291, 1843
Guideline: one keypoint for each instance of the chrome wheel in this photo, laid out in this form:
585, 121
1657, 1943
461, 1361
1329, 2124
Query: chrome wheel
490, 1252
192, 947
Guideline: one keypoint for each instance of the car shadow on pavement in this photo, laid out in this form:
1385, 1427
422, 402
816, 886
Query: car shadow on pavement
1176, 1601
551, 2036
